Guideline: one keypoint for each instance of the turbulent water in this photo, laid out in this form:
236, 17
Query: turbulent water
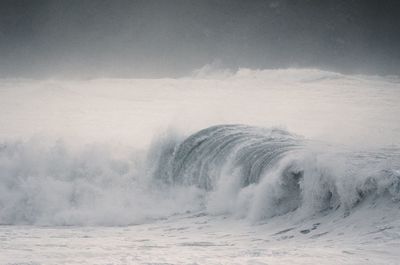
293, 149
250, 172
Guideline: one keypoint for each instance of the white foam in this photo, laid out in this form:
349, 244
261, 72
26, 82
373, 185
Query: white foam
74, 152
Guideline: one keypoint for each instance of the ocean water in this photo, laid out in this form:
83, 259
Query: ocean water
291, 166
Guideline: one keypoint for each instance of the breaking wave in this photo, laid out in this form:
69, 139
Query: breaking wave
244, 171
259, 173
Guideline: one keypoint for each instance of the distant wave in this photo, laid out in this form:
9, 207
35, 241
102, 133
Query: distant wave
248, 172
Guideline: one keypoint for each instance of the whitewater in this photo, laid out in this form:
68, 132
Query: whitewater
289, 166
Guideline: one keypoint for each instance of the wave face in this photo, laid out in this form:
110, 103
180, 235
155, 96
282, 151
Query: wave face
226, 149
248, 172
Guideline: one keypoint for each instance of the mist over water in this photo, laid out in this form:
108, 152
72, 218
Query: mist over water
311, 103
126, 151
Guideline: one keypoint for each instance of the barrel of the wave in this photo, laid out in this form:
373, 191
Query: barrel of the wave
203, 157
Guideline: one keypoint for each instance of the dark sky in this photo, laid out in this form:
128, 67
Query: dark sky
148, 38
